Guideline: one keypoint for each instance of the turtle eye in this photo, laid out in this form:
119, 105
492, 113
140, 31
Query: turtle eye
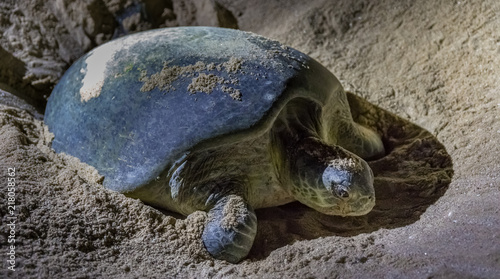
341, 192
337, 181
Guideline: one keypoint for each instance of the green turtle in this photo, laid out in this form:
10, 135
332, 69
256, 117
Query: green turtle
218, 120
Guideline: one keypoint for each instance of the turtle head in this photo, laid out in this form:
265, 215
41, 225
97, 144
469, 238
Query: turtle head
333, 181
349, 181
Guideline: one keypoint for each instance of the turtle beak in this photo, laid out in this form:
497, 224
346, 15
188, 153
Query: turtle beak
358, 206
355, 206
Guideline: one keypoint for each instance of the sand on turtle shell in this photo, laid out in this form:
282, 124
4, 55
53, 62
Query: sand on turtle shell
434, 63
201, 81
233, 64
204, 83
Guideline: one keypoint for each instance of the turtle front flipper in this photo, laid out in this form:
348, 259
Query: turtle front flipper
230, 230
360, 140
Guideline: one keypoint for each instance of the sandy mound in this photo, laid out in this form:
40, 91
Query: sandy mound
431, 64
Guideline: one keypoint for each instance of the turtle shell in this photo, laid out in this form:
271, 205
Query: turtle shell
135, 105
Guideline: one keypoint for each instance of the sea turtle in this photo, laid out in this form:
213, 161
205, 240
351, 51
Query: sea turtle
218, 120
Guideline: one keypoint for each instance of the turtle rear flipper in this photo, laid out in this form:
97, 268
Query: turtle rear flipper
230, 230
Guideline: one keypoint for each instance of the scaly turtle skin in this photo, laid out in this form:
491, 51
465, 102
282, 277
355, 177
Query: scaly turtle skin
220, 120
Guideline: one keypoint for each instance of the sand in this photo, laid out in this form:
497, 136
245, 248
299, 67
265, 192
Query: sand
430, 69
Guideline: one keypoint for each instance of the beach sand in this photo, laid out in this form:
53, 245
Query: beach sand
430, 71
